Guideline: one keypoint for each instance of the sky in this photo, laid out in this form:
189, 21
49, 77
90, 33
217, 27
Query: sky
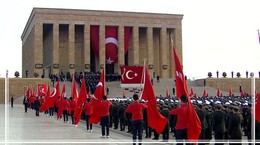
216, 34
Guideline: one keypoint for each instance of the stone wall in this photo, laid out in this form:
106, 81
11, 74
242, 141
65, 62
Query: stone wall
17, 86
225, 83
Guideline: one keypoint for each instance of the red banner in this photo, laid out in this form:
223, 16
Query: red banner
131, 76
42, 89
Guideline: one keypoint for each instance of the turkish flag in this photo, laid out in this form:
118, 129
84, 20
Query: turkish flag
155, 119
191, 92
194, 124
60, 107
111, 36
111, 41
204, 92
257, 108
219, 93
81, 100
167, 93
230, 91
96, 100
131, 75
50, 99
74, 91
42, 88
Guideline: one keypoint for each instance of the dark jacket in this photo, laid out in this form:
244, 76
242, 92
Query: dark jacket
234, 127
219, 118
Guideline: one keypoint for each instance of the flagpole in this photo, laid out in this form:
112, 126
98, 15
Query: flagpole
6, 107
142, 78
253, 106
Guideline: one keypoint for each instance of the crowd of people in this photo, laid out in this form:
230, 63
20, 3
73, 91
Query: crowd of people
222, 118
91, 78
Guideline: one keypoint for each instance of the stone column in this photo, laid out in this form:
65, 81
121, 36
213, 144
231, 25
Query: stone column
136, 44
177, 41
87, 46
38, 48
121, 48
55, 51
163, 53
150, 61
102, 48
71, 48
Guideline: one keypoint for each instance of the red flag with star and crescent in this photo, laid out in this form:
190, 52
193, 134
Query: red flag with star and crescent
194, 124
42, 88
96, 100
49, 102
111, 36
131, 76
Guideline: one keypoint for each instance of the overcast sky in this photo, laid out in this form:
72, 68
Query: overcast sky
217, 34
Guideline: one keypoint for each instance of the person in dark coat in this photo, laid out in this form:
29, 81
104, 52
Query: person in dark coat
204, 125
121, 115
37, 106
148, 130
234, 127
208, 131
12, 102
25, 103
115, 115
219, 126
165, 112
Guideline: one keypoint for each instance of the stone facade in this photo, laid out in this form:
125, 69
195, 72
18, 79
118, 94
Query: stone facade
17, 86
54, 39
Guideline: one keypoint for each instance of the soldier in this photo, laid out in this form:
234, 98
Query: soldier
234, 127
208, 131
165, 113
115, 115
219, 126
148, 130
204, 125
121, 115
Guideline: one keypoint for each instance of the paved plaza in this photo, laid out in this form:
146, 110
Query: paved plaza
26, 128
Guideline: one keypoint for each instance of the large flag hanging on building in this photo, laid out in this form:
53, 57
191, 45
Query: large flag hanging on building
194, 124
42, 89
131, 76
50, 99
81, 100
111, 41
96, 100
155, 119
